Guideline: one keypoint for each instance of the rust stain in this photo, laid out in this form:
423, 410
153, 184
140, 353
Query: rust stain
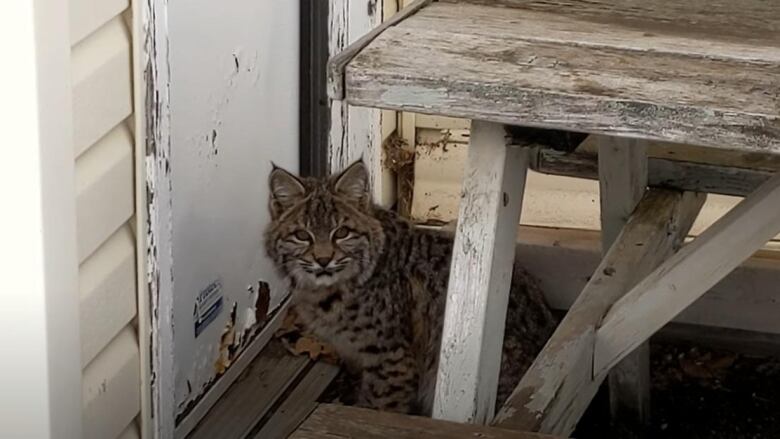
227, 346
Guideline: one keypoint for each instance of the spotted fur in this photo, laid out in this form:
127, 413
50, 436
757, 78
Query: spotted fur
374, 286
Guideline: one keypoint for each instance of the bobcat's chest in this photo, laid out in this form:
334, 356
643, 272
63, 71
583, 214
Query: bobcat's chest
345, 323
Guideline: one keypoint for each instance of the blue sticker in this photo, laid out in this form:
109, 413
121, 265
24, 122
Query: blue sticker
208, 305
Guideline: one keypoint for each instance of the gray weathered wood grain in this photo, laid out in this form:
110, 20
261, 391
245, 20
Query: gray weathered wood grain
729, 21
336, 63
299, 403
672, 174
252, 395
334, 422
688, 274
638, 76
622, 183
480, 277
556, 390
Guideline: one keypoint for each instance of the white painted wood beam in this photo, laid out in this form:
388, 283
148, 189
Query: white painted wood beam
684, 277
622, 182
480, 277
556, 390
355, 132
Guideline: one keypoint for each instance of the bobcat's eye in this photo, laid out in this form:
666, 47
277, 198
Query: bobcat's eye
302, 235
341, 233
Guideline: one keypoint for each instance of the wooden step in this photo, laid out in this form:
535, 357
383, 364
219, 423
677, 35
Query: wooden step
335, 421
698, 72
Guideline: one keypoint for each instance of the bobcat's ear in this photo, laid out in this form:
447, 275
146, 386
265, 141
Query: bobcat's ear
285, 191
353, 184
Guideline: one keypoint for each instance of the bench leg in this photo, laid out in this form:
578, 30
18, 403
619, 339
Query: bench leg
623, 180
480, 277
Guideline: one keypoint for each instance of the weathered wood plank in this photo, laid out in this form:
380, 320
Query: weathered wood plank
299, 403
480, 276
333, 422
213, 396
665, 173
251, 395
698, 154
557, 389
687, 275
640, 78
743, 22
338, 62
354, 132
623, 181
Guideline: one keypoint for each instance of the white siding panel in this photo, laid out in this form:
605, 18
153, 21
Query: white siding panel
102, 84
104, 187
107, 288
112, 388
131, 432
88, 15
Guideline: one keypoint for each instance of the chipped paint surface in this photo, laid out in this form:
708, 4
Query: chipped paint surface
159, 275
233, 107
355, 132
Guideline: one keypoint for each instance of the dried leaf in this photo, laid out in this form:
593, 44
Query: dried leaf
695, 370
289, 324
328, 354
306, 345
723, 362
298, 342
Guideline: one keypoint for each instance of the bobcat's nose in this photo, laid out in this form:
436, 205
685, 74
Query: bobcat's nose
324, 260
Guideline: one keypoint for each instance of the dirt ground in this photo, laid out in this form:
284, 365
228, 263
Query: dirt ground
697, 393
700, 393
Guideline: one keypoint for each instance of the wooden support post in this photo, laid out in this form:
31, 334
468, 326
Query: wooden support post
683, 278
556, 390
480, 277
622, 182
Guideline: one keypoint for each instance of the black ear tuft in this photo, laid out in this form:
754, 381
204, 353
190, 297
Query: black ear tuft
285, 190
353, 184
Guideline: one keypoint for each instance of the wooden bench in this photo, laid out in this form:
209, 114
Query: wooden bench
697, 72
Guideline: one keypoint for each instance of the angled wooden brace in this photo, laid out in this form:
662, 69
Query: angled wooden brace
556, 390
480, 276
684, 277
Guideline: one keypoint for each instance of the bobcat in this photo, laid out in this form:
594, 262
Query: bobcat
374, 287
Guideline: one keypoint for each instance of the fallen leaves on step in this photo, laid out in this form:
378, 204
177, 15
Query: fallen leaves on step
298, 342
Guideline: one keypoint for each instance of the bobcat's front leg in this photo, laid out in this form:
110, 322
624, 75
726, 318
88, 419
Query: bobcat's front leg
391, 383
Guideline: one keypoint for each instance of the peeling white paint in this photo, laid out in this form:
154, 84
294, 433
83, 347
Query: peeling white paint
222, 101
234, 107
159, 275
355, 132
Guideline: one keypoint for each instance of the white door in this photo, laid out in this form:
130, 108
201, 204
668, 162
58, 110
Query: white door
231, 108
